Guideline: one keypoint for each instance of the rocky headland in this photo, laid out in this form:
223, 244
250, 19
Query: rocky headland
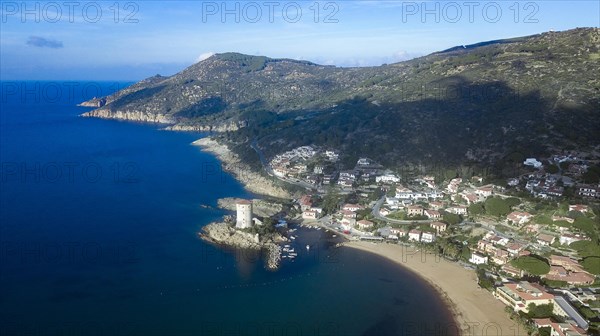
224, 234
130, 115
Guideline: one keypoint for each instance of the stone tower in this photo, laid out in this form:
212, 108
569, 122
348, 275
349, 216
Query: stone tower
244, 214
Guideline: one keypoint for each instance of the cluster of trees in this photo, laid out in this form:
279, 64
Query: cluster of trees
494, 206
590, 252
532, 264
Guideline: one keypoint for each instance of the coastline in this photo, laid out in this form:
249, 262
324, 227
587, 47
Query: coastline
252, 181
475, 310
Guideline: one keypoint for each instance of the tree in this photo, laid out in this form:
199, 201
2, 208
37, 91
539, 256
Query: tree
545, 331
552, 169
585, 224
532, 265
331, 201
512, 201
592, 265
496, 206
476, 209
540, 311
451, 218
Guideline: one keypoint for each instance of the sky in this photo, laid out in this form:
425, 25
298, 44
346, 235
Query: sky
132, 40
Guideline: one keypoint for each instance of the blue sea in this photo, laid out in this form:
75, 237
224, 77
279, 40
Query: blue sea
98, 236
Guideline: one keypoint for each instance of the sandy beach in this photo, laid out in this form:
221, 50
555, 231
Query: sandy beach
475, 310
252, 181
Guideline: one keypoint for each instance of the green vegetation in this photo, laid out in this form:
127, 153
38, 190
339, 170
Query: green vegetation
488, 104
331, 201
586, 225
552, 169
592, 265
451, 218
483, 280
556, 283
586, 248
532, 265
476, 209
496, 206
540, 311
545, 331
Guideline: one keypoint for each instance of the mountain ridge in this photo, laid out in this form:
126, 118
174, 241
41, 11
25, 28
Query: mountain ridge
478, 103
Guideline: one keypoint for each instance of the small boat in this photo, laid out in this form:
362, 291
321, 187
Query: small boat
292, 237
334, 236
293, 254
308, 247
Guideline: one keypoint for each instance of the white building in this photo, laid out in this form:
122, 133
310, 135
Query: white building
244, 214
533, 163
478, 259
387, 178
414, 235
428, 237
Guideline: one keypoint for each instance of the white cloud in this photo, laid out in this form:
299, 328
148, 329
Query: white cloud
204, 56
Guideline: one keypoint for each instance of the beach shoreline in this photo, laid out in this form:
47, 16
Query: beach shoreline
474, 310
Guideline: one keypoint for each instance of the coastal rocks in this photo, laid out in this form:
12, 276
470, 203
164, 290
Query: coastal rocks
130, 115
218, 127
94, 102
260, 207
273, 256
253, 181
225, 235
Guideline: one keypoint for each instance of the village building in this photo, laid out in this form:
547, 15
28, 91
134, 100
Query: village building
545, 239
579, 207
427, 237
458, 210
519, 295
414, 210
559, 329
432, 214
414, 235
365, 224
439, 227
353, 207
478, 258
519, 218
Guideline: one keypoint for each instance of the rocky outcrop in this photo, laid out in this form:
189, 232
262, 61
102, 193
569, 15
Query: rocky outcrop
252, 180
260, 207
94, 102
130, 115
224, 234
219, 127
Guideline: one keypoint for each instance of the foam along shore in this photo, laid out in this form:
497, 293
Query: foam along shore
252, 181
475, 310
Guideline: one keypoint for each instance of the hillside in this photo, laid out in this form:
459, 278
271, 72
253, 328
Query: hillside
476, 103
